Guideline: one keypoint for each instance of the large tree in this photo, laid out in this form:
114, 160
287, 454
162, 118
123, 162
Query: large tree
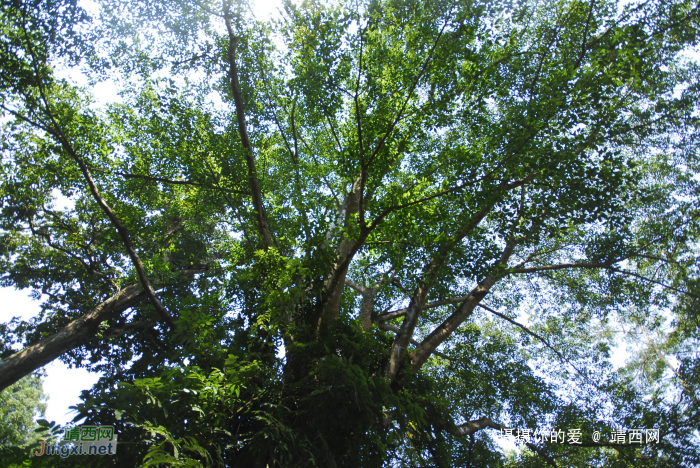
363, 233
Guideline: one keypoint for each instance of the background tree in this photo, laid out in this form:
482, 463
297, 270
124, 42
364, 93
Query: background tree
19, 405
363, 234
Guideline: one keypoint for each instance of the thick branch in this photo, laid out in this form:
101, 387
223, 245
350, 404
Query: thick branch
471, 427
368, 296
455, 300
80, 331
395, 329
441, 333
76, 333
329, 307
400, 345
256, 194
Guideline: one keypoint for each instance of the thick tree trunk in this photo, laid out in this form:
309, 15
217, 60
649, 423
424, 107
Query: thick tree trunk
336, 282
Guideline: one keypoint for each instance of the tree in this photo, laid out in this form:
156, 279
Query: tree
362, 234
19, 405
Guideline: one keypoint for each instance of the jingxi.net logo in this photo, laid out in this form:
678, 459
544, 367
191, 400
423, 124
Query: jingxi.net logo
82, 440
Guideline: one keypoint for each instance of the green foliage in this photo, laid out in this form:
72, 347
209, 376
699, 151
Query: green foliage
536, 158
20, 404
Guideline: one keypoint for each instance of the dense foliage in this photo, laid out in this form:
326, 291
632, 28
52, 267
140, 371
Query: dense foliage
363, 233
19, 405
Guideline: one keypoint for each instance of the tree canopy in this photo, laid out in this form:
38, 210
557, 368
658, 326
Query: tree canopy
19, 405
360, 233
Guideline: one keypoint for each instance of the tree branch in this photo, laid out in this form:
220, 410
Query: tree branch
123, 233
560, 266
531, 333
691, 392
56, 131
368, 296
430, 305
470, 427
607, 266
466, 308
400, 344
75, 334
256, 194
395, 329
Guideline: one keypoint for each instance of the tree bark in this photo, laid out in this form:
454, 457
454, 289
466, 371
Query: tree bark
256, 193
75, 334
420, 294
441, 333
